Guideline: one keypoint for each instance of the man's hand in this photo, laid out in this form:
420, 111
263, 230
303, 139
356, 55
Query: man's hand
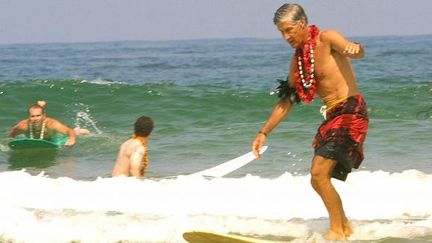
70, 142
352, 48
258, 143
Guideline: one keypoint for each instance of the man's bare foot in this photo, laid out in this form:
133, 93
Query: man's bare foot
331, 235
348, 231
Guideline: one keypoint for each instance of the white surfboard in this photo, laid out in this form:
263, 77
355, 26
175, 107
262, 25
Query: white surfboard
230, 166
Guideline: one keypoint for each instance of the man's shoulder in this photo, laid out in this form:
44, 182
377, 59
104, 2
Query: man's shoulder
131, 146
131, 143
51, 120
127, 142
328, 34
23, 122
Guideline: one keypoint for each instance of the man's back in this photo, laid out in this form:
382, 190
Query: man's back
130, 159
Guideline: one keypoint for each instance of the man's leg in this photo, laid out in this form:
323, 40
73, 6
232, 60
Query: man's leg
321, 171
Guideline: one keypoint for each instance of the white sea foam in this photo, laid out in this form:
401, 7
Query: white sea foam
103, 81
43, 209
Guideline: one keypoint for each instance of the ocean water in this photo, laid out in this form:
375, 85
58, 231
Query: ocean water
208, 99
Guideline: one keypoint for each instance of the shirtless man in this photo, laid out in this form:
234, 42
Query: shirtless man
132, 159
38, 125
321, 66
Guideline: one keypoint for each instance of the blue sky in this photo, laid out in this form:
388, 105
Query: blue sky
40, 21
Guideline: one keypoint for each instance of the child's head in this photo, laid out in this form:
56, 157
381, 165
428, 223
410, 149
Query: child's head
143, 126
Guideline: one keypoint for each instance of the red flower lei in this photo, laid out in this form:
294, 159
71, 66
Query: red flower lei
306, 82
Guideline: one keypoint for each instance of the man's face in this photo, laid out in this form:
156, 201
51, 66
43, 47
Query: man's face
36, 116
292, 33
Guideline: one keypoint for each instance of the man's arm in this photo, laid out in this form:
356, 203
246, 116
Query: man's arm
61, 128
122, 165
19, 128
279, 112
342, 45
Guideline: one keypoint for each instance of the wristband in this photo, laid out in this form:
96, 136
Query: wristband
261, 132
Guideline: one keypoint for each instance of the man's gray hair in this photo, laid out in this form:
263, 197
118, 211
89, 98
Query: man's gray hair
290, 12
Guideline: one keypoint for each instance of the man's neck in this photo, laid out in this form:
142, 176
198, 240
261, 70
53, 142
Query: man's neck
142, 139
305, 35
38, 124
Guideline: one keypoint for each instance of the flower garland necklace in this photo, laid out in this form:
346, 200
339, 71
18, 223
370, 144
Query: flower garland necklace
305, 77
31, 132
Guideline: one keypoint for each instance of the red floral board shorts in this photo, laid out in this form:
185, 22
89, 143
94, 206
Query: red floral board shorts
341, 135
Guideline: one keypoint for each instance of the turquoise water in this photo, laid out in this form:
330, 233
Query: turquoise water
208, 99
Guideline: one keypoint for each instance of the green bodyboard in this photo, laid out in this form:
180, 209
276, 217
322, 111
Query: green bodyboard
31, 143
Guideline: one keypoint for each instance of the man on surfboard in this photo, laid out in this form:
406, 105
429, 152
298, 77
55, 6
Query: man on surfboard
132, 159
39, 126
321, 67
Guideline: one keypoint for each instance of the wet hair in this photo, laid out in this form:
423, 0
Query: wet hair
143, 126
36, 106
293, 13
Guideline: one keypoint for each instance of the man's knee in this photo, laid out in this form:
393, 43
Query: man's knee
321, 169
317, 178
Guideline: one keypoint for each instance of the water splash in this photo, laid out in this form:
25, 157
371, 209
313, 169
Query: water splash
3, 148
84, 120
